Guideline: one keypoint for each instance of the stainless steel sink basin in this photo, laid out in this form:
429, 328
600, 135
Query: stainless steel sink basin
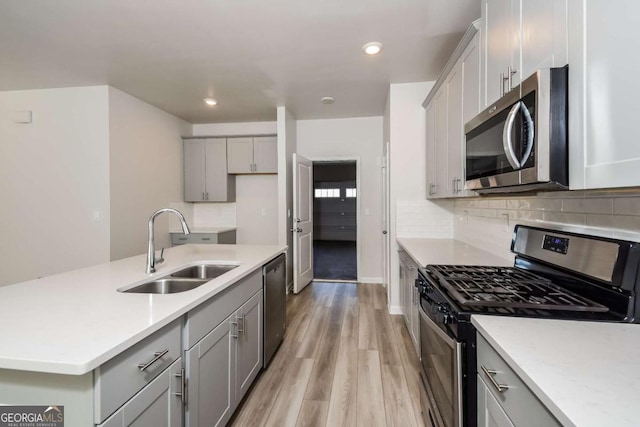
204, 271
167, 285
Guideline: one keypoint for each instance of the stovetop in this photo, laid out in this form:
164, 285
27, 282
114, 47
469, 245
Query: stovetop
507, 287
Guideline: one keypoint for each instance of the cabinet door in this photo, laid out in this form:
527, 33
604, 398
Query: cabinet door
441, 147
455, 137
249, 352
490, 413
194, 170
415, 320
219, 186
402, 274
603, 86
544, 35
210, 366
430, 141
155, 405
501, 45
470, 80
240, 155
265, 154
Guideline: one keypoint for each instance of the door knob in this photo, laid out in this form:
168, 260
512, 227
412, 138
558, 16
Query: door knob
384, 231
293, 230
299, 230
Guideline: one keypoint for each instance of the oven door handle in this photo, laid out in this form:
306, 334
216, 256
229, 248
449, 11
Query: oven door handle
507, 142
433, 325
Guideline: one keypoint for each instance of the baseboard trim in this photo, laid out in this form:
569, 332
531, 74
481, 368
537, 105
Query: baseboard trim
376, 280
395, 309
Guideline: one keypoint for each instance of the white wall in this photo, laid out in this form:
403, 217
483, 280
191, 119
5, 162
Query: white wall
256, 207
145, 171
287, 145
361, 137
54, 175
411, 215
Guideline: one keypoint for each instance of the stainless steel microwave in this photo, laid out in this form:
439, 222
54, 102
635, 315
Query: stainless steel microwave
520, 142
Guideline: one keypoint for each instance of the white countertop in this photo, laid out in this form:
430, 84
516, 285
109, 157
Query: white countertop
449, 251
73, 322
585, 373
204, 229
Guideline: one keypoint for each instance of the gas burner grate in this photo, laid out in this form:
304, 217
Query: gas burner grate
507, 287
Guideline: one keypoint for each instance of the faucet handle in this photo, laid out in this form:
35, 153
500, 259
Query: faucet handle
161, 258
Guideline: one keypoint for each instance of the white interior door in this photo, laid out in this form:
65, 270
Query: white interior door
302, 224
385, 217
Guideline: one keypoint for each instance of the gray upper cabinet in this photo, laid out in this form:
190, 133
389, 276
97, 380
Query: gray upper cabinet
248, 155
205, 171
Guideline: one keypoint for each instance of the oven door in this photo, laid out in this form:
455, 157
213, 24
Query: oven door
441, 369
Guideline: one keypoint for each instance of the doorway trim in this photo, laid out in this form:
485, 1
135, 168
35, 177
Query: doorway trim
350, 159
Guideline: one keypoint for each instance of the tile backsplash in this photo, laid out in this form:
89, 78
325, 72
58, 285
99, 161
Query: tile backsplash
424, 219
488, 222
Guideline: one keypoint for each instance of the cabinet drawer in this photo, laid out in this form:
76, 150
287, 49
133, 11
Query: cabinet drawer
518, 401
156, 403
118, 379
202, 319
182, 239
227, 237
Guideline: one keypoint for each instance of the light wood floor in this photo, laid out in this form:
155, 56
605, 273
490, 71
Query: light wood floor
344, 362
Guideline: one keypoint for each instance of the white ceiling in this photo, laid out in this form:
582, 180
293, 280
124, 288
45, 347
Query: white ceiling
250, 55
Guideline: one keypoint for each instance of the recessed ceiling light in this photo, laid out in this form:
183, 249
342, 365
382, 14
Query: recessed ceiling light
372, 48
327, 100
210, 101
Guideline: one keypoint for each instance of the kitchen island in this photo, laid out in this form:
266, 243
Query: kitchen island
59, 330
584, 373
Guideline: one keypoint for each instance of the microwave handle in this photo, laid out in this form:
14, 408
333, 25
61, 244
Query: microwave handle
507, 143
530, 134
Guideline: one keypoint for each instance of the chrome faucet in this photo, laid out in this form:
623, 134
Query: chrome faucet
151, 252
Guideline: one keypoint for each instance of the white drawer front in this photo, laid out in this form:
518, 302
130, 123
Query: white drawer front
118, 379
519, 402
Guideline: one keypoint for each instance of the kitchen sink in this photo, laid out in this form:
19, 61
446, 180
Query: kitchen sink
182, 280
204, 271
167, 285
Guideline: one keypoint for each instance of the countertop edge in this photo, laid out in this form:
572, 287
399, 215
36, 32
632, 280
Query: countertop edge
476, 321
85, 367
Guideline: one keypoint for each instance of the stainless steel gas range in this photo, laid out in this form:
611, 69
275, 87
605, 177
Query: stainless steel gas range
556, 274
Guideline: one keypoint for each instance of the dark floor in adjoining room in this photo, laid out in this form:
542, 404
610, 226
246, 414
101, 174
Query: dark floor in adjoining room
334, 260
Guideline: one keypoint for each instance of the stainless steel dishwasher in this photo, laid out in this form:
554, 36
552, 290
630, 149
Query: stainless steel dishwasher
275, 308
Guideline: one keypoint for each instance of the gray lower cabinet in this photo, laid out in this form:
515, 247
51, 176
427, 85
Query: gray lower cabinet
210, 365
409, 297
490, 413
221, 367
503, 398
158, 404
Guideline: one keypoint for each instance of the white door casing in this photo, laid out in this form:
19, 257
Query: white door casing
385, 217
302, 224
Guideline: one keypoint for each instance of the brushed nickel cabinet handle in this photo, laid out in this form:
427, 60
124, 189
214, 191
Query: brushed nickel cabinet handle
156, 356
490, 374
182, 394
234, 323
